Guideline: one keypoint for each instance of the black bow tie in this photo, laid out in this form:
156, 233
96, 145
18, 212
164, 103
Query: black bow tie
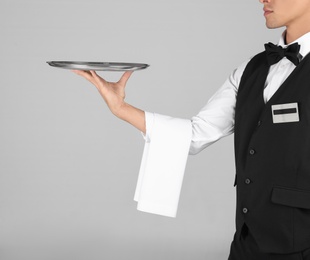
276, 53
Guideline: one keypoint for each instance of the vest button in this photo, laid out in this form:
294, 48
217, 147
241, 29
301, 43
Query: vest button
247, 181
259, 123
252, 152
245, 210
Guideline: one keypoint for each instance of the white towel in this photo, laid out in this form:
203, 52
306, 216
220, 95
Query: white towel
163, 165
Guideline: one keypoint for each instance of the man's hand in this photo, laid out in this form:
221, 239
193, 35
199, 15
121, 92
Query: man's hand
112, 92
114, 95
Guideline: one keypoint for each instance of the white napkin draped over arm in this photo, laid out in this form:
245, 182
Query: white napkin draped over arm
163, 164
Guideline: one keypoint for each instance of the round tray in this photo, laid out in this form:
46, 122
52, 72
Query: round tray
105, 66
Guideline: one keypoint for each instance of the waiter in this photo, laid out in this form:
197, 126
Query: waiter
266, 103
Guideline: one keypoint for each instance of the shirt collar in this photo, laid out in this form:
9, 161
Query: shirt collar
303, 41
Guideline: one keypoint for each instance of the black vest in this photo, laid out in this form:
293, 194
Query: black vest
273, 160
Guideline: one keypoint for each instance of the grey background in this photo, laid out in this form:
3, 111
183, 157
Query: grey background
68, 168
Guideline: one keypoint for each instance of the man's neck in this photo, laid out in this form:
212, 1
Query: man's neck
292, 36
294, 33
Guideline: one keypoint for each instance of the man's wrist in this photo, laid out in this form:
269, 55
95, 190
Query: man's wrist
120, 110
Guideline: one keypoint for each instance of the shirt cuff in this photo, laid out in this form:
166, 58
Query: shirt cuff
163, 164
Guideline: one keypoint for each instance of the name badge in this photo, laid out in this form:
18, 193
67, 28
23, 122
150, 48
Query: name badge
285, 113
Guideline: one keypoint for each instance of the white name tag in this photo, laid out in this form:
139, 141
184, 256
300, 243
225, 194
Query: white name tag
285, 113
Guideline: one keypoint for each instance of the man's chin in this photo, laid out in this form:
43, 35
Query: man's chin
273, 26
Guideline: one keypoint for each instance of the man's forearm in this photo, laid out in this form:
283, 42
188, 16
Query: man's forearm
132, 115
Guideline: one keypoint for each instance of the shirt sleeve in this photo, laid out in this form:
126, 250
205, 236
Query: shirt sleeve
217, 118
168, 141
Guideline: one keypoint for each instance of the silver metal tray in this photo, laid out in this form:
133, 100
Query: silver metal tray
105, 66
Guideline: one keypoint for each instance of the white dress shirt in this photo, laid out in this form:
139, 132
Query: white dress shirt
168, 140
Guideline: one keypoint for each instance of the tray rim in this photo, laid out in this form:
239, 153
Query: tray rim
98, 65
